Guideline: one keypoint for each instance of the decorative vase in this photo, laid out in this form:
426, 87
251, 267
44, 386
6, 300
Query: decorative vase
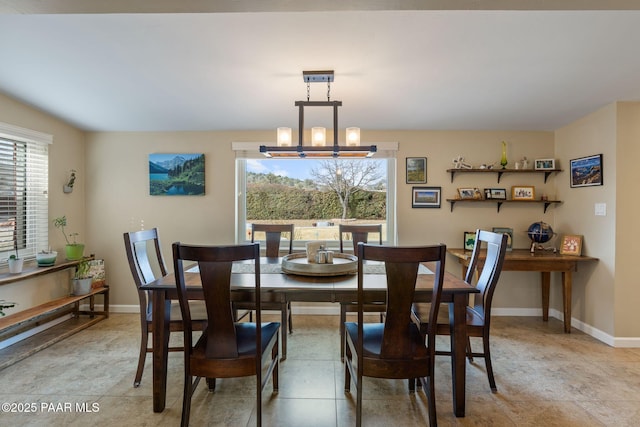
503, 160
74, 251
81, 286
15, 265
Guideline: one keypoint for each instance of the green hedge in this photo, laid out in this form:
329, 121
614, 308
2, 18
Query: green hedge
270, 201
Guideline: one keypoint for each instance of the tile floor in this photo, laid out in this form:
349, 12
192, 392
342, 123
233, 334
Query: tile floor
544, 377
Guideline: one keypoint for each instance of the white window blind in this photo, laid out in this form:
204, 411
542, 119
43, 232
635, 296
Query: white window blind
24, 182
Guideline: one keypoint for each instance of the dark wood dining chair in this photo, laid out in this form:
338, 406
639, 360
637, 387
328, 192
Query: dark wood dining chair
478, 314
147, 264
273, 237
359, 233
394, 349
226, 349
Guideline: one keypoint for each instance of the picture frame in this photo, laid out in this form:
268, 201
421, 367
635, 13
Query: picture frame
498, 193
586, 171
544, 164
176, 174
571, 244
509, 232
469, 240
416, 170
523, 192
469, 193
426, 197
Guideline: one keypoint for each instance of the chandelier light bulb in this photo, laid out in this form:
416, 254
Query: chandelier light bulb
284, 137
353, 137
318, 137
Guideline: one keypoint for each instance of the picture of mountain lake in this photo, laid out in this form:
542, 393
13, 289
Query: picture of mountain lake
176, 174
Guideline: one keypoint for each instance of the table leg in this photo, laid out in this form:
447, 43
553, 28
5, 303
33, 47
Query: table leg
284, 327
566, 300
546, 285
160, 336
458, 328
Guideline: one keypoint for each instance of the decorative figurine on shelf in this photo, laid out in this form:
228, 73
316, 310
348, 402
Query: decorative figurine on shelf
503, 159
459, 163
525, 163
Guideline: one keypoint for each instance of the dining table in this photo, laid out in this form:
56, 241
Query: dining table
278, 286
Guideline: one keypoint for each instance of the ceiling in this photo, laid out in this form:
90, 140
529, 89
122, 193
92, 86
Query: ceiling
240, 68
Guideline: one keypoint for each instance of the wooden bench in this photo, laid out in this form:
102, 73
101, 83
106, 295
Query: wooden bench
12, 325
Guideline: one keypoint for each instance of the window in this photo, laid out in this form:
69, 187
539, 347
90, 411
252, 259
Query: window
289, 191
24, 180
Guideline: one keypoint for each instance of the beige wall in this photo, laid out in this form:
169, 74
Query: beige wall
66, 152
627, 291
113, 176
594, 284
118, 199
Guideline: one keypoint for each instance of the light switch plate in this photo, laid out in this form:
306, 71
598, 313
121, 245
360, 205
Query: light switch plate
601, 209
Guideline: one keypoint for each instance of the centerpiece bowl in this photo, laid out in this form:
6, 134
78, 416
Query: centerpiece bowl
298, 264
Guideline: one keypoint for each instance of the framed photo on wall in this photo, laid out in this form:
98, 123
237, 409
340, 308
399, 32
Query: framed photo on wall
571, 245
416, 170
425, 197
180, 174
498, 193
586, 171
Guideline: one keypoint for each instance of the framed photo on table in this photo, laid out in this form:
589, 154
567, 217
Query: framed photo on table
469, 240
416, 170
571, 245
586, 171
425, 197
508, 232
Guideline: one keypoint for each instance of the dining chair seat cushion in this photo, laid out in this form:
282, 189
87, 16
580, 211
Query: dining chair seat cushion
246, 339
372, 335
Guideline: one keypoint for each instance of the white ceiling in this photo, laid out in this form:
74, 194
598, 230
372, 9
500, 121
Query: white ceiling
394, 70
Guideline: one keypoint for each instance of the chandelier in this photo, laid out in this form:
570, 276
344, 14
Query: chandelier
318, 146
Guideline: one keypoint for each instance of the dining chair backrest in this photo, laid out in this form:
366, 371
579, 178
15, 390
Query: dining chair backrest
145, 260
401, 266
359, 233
214, 266
496, 246
273, 233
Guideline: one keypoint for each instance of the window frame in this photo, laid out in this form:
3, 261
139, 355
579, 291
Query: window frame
246, 151
34, 233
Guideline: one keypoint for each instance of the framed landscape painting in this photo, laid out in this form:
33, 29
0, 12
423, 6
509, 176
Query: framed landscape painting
416, 170
176, 174
586, 171
425, 197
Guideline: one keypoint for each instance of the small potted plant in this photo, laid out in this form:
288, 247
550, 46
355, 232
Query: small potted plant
15, 262
82, 279
73, 250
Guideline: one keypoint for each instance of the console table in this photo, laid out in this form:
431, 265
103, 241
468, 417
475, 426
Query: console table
545, 263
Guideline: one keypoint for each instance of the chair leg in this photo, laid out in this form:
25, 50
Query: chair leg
487, 362
343, 318
284, 319
211, 384
274, 374
290, 323
469, 351
433, 419
186, 399
144, 341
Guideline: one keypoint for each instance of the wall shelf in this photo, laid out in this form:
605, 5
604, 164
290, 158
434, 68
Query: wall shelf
499, 203
500, 172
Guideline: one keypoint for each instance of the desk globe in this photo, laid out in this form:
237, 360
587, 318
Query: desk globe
539, 232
